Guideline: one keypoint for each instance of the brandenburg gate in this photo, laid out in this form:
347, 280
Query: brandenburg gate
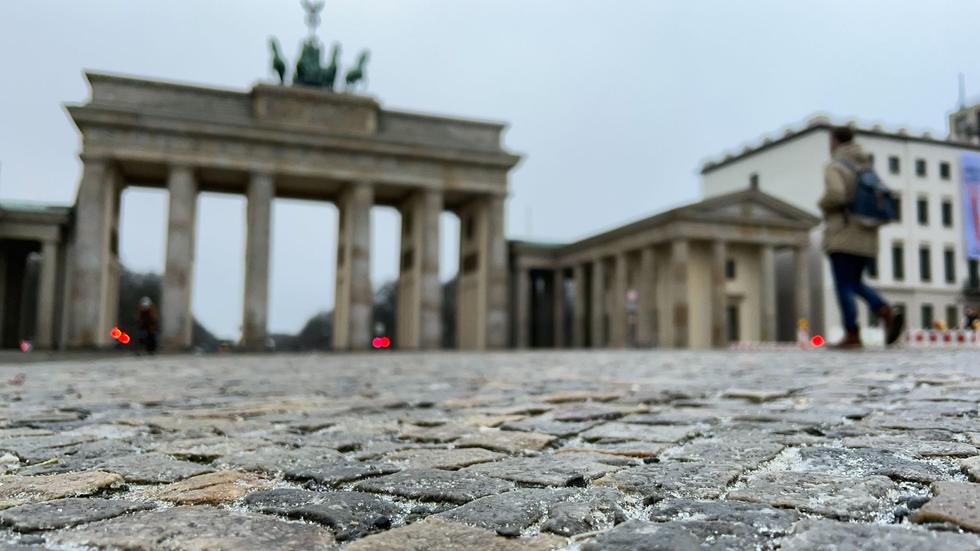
293, 142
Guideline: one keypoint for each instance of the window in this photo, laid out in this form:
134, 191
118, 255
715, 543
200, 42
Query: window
754, 180
920, 167
926, 316
947, 213
730, 269
949, 262
922, 211
898, 262
944, 170
873, 268
952, 317
925, 263
893, 165
898, 207
974, 267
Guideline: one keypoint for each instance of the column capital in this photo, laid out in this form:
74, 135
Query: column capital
88, 158
262, 172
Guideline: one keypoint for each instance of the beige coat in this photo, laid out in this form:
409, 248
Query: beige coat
839, 183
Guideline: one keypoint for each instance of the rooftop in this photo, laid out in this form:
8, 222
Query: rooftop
825, 122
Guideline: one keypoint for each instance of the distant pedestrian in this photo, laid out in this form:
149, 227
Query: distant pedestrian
148, 325
854, 207
972, 318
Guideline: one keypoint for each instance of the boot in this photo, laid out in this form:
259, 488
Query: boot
893, 321
851, 341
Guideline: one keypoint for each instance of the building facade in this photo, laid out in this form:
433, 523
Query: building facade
698, 276
295, 142
921, 265
32, 274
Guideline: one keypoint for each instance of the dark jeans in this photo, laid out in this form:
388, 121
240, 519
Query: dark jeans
848, 269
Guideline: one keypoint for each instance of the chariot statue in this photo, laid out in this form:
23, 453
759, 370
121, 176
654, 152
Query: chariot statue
308, 70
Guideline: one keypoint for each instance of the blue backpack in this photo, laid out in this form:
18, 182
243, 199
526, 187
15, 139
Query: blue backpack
873, 204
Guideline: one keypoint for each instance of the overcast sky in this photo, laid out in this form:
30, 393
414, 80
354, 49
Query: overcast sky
613, 103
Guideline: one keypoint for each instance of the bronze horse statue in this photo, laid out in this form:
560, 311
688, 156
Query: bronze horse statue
328, 75
358, 72
278, 63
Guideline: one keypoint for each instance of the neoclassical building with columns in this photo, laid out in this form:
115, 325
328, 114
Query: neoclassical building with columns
295, 142
698, 276
725, 269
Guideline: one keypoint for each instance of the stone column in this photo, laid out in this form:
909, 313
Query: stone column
522, 296
598, 304
617, 317
496, 274
801, 283
89, 321
258, 228
419, 311
719, 296
581, 321
354, 300
559, 303
767, 293
481, 304
646, 292
176, 320
679, 316
46, 291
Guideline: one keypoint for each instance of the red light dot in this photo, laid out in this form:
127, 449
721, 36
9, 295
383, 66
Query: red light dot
376, 342
385, 342
124, 338
817, 341
115, 333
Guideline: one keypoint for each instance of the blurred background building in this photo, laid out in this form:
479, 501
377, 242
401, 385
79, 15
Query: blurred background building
922, 265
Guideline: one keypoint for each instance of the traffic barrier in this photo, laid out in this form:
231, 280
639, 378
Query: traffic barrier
934, 338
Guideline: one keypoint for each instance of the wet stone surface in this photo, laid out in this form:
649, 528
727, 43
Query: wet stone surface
197, 528
868, 461
569, 451
61, 513
435, 485
957, 503
836, 496
821, 535
349, 514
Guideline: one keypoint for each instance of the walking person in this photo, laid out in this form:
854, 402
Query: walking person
851, 224
148, 325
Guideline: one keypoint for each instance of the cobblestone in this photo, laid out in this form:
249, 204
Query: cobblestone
568, 451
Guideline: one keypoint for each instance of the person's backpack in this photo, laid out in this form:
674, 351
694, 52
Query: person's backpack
873, 204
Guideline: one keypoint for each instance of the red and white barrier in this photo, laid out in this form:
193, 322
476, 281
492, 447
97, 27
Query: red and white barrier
934, 338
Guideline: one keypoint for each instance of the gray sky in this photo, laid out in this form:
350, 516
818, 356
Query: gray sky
614, 103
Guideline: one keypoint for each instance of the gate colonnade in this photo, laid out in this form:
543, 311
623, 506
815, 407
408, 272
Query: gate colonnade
276, 141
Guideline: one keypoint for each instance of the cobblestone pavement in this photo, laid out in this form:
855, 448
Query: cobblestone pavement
537, 451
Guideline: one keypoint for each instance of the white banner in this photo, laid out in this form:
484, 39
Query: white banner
970, 175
